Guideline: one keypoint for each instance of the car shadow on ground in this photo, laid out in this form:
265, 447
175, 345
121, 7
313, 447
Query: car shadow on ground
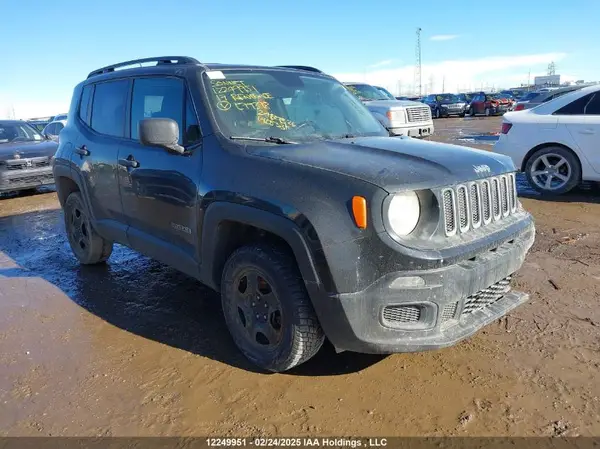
142, 296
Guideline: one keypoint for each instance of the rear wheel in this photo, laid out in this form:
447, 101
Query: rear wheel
267, 309
472, 111
553, 170
437, 113
487, 112
86, 244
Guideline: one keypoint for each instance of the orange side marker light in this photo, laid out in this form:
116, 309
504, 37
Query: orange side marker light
359, 210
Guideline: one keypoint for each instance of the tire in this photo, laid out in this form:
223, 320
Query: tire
461, 115
87, 246
568, 166
292, 333
472, 111
487, 112
437, 113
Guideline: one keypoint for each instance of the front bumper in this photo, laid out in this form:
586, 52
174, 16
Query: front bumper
424, 130
448, 305
11, 180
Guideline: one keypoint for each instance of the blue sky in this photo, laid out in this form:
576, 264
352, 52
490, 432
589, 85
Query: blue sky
50, 47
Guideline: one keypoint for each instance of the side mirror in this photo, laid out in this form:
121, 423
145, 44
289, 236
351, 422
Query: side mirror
160, 132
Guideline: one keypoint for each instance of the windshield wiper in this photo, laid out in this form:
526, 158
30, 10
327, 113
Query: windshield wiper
270, 139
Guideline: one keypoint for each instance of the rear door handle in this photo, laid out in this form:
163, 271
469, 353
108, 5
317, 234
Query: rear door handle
129, 162
82, 151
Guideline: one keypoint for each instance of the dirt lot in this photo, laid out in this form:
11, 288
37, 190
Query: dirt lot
135, 348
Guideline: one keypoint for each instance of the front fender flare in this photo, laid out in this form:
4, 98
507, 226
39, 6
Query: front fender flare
284, 228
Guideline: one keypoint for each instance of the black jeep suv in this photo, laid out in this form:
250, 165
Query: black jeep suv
276, 187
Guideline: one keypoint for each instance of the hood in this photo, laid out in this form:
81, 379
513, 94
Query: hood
27, 149
393, 163
391, 103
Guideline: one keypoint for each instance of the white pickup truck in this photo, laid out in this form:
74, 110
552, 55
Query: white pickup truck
400, 117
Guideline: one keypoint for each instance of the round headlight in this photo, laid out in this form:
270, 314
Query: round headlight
404, 212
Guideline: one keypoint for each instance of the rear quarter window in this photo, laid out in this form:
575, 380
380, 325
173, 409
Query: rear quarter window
84, 104
108, 107
576, 107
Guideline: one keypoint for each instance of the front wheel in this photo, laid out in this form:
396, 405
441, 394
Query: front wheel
472, 111
487, 112
437, 113
87, 245
461, 115
553, 170
267, 308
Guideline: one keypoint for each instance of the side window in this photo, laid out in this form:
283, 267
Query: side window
108, 108
157, 98
59, 127
593, 107
84, 105
576, 107
192, 128
550, 97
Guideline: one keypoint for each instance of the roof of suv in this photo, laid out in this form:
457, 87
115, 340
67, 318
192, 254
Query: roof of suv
168, 64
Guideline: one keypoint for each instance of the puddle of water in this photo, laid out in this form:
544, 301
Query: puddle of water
486, 139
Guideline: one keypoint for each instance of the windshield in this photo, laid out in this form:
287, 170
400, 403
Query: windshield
387, 94
294, 106
18, 132
366, 92
447, 98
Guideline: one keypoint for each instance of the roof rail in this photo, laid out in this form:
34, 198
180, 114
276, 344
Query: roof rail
301, 67
158, 59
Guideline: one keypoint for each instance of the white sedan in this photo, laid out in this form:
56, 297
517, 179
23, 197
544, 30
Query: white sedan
556, 144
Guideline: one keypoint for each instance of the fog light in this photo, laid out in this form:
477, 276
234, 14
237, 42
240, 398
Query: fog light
407, 282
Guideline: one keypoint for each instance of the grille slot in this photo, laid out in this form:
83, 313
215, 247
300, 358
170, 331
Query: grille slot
418, 114
480, 203
449, 214
449, 311
487, 296
401, 314
504, 196
463, 209
474, 197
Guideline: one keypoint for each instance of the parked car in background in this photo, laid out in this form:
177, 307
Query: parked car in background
466, 99
53, 129
556, 144
533, 99
489, 104
400, 117
378, 244
39, 125
385, 92
59, 117
25, 156
445, 105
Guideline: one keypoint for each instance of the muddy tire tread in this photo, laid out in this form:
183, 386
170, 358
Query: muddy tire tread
101, 249
308, 336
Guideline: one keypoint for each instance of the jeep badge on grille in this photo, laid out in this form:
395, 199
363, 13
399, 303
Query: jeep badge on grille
479, 169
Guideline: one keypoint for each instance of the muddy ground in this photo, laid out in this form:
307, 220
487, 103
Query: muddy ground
136, 348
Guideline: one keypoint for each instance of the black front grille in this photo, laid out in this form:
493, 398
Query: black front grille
487, 296
27, 164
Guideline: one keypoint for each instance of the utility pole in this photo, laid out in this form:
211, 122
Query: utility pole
443, 83
529, 78
418, 85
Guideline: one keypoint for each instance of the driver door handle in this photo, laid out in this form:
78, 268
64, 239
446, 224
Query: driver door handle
130, 162
82, 151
